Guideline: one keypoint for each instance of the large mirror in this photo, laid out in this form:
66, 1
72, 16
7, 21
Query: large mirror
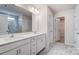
14, 19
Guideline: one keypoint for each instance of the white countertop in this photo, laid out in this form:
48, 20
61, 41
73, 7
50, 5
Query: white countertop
19, 36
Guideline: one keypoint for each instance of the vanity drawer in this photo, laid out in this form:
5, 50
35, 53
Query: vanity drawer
41, 36
33, 39
13, 45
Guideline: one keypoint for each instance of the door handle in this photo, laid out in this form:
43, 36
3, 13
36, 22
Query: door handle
18, 52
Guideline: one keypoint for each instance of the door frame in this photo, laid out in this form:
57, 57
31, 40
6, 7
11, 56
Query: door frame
64, 27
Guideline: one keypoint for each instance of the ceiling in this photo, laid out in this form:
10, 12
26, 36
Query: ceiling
60, 7
10, 8
55, 8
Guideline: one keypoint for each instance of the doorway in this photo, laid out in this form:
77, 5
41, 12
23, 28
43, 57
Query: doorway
61, 29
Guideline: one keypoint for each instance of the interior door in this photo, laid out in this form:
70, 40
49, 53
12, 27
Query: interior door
61, 29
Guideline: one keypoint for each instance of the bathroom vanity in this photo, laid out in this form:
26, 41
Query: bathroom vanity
29, 44
19, 31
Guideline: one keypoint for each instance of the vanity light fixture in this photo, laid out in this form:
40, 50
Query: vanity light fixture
34, 10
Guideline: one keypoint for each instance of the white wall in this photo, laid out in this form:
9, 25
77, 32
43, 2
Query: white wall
35, 23
3, 24
43, 26
50, 24
26, 23
76, 27
69, 30
39, 21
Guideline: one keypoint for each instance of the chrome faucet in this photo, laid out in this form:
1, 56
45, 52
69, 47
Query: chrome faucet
11, 34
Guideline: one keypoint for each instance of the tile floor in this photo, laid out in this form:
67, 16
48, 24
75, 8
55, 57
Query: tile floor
61, 49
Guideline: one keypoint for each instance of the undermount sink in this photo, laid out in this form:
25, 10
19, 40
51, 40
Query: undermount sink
5, 39
14, 37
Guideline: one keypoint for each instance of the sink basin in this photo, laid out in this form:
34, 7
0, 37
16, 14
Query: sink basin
16, 37
5, 39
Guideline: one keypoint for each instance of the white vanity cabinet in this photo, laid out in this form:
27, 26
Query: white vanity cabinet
37, 44
17, 48
27, 46
23, 50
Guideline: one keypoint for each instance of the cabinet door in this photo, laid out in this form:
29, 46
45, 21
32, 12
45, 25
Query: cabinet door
33, 46
40, 43
11, 52
24, 50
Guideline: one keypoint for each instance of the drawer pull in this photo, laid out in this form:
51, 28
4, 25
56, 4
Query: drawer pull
17, 52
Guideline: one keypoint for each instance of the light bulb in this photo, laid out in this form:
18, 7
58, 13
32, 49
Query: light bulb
33, 8
36, 11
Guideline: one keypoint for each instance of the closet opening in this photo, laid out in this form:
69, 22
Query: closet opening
60, 21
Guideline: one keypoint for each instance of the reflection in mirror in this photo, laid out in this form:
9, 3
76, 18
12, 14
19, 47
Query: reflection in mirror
14, 19
13, 24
